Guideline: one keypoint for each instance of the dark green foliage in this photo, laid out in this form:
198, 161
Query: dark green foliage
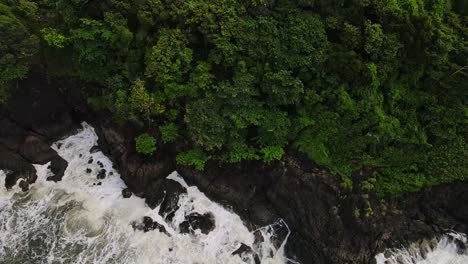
195, 157
349, 83
145, 144
17, 43
169, 132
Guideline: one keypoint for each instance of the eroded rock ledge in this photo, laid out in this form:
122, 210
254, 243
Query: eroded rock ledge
34, 117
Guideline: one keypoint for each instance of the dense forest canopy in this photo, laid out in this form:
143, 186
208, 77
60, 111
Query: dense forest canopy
350, 83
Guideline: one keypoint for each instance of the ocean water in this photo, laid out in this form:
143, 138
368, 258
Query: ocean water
448, 249
85, 220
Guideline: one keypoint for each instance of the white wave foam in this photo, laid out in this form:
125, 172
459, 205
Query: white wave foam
85, 220
438, 251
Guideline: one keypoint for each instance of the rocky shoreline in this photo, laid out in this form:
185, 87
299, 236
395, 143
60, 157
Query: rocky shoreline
318, 210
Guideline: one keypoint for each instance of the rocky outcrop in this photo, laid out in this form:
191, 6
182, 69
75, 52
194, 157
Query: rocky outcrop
321, 214
195, 221
35, 116
147, 224
145, 177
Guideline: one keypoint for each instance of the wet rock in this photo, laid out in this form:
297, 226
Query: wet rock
148, 224
461, 246
90, 160
258, 237
100, 164
126, 193
88, 170
163, 192
257, 259
81, 155
111, 173
243, 249
17, 167
169, 205
101, 174
57, 166
13, 177
94, 149
196, 221
99, 183
24, 185
424, 248
281, 232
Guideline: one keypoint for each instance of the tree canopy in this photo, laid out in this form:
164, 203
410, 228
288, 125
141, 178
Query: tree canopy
350, 83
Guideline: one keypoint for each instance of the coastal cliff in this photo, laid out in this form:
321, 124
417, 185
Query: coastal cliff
318, 209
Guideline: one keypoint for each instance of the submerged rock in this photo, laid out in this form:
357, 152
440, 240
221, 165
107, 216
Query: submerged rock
126, 193
101, 174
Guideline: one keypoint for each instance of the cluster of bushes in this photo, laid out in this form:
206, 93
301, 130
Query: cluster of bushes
350, 83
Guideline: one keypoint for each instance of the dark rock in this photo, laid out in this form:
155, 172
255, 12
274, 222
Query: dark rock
461, 246
58, 166
243, 249
94, 149
111, 173
280, 231
238, 187
11, 135
99, 183
195, 221
90, 160
126, 193
165, 192
81, 155
169, 205
36, 150
119, 143
17, 167
100, 164
148, 225
101, 174
320, 213
40, 107
24, 185
59, 145
257, 259
13, 177
88, 170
